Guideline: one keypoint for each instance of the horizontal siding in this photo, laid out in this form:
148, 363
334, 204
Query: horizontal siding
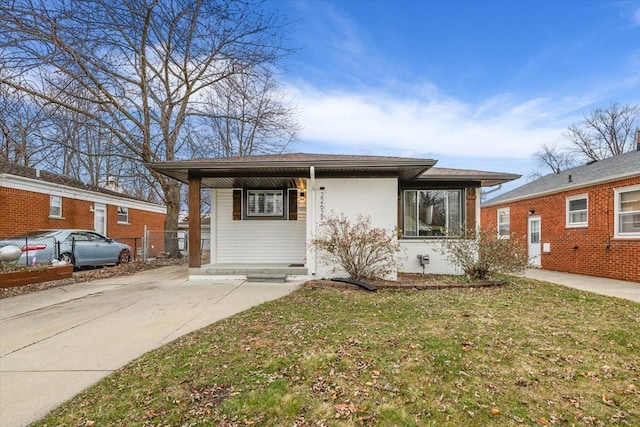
256, 241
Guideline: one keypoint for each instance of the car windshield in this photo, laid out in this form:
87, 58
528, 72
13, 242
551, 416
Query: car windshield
38, 233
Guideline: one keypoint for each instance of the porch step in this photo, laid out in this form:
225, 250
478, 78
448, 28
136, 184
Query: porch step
271, 278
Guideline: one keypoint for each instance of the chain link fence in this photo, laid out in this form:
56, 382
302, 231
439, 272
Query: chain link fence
46, 247
163, 244
153, 244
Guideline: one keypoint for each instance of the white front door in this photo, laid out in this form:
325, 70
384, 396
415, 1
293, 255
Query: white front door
100, 218
533, 235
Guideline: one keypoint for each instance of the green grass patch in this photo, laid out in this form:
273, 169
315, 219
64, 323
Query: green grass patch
527, 353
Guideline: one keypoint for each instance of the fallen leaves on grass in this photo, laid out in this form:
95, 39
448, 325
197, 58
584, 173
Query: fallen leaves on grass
516, 354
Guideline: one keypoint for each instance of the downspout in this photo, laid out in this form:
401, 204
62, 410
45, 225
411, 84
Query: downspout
311, 220
483, 194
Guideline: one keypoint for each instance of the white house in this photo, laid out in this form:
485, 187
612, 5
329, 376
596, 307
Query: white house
265, 209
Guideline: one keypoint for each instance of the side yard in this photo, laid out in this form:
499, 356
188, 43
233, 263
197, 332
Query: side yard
527, 353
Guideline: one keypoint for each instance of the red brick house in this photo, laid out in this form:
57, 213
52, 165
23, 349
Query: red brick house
585, 220
32, 199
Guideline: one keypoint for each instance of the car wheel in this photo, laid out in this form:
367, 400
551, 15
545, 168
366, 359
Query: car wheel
68, 258
124, 257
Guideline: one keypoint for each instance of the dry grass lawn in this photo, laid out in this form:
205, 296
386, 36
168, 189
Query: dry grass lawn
526, 353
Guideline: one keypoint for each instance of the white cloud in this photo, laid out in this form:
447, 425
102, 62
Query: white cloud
431, 122
635, 17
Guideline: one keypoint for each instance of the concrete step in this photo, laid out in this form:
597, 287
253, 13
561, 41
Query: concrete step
271, 278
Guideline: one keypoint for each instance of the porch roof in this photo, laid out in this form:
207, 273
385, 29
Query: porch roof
290, 169
486, 179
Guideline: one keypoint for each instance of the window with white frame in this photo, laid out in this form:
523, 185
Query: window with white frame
504, 223
627, 212
55, 206
578, 211
432, 212
265, 203
123, 215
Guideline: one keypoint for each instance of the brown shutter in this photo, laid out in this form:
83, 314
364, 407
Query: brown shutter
293, 205
237, 205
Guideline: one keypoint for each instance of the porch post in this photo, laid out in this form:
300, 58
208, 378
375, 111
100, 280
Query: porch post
195, 227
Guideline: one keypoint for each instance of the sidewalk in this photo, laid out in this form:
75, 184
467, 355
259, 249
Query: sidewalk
598, 285
56, 343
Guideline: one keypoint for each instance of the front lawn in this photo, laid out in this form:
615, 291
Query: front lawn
527, 353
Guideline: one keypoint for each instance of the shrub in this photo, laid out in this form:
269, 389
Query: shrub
363, 251
481, 254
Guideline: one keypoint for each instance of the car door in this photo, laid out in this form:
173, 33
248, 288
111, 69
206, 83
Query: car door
81, 246
106, 251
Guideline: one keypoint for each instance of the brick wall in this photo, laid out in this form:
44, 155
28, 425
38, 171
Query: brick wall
24, 211
598, 253
132, 232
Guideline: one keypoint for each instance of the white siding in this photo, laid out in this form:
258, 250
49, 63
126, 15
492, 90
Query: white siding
438, 263
374, 197
255, 241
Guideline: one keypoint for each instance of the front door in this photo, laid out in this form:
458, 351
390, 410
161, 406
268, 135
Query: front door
534, 240
100, 218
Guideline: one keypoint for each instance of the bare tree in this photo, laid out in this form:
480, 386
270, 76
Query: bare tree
605, 132
22, 119
553, 158
246, 115
143, 63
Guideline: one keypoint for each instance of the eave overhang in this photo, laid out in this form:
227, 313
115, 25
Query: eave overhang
257, 172
482, 178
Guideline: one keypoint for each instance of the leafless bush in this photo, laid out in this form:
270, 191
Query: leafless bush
363, 251
483, 253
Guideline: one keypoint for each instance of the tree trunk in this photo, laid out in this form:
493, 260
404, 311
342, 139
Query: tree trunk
172, 195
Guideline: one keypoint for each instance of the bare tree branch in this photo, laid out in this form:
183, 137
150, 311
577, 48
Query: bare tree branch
605, 132
142, 66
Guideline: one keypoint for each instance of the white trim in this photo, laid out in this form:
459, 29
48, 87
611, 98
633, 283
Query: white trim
616, 213
59, 200
312, 264
49, 188
266, 192
118, 215
535, 258
568, 223
100, 207
508, 212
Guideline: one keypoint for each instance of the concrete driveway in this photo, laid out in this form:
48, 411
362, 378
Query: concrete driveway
598, 285
58, 342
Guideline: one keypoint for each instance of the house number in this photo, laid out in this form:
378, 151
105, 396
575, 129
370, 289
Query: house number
322, 203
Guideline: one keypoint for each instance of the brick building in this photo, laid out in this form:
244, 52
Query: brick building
32, 199
585, 220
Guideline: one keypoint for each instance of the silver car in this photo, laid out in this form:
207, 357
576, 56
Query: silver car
78, 247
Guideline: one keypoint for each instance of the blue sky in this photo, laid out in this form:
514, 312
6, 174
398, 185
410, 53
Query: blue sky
476, 85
